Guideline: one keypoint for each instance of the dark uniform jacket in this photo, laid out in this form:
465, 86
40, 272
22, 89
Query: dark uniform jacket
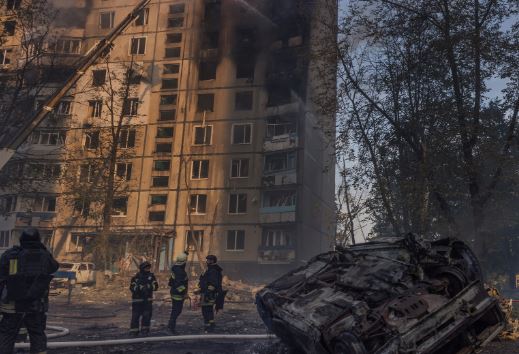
25, 275
211, 284
142, 286
178, 282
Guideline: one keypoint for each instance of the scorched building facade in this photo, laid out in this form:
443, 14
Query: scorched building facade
218, 144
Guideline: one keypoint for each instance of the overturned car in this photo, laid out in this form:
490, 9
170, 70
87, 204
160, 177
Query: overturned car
391, 295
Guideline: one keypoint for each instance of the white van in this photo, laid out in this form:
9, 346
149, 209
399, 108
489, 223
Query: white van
85, 272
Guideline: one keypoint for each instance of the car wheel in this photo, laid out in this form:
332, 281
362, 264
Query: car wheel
348, 343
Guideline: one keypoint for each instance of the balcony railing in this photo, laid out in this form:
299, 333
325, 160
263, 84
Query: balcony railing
281, 142
276, 255
278, 214
281, 178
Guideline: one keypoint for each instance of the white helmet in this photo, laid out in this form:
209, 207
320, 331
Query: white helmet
181, 258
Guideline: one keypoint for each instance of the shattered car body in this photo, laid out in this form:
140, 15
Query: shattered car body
392, 295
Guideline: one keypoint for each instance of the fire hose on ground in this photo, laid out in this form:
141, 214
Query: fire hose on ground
112, 342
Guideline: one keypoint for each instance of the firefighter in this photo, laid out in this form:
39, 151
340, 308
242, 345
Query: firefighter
178, 284
210, 287
25, 275
142, 286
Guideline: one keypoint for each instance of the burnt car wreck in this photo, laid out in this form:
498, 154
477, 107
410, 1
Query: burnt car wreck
391, 295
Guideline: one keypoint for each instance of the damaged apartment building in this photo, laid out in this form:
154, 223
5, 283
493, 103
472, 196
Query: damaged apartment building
219, 144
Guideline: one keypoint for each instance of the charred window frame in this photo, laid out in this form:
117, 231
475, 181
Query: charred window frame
205, 102
212, 13
210, 40
207, 70
243, 101
9, 28
98, 77
245, 67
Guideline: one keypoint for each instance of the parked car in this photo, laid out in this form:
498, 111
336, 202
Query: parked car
84, 272
389, 296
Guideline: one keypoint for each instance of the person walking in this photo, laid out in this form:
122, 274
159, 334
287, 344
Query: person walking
210, 287
142, 286
178, 283
25, 274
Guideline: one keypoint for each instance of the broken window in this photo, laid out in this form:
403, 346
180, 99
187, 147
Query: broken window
200, 169
44, 203
106, 20
86, 173
165, 148
120, 206
175, 22
164, 132
131, 106
210, 40
194, 239
173, 52
280, 161
242, 133
157, 216
207, 70
173, 37
197, 203
123, 170
285, 198
239, 168
243, 101
205, 102
160, 181
9, 28
48, 138
142, 17
276, 238
176, 9
203, 135
167, 115
64, 108
127, 138
66, 46
279, 94
171, 69
245, 67
98, 77
134, 77
161, 165
169, 84
235, 240
95, 108
92, 140
5, 56
138, 46
212, 13
57, 74
158, 199
280, 126
245, 39
168, 100
237, 203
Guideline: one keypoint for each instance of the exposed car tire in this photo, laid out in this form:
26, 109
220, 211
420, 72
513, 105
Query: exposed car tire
348, 343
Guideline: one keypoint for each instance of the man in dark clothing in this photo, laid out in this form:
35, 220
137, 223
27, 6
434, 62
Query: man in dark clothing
178, 284
142, 286
210, 285
25, 275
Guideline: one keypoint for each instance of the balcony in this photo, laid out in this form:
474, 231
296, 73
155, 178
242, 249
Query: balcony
281, 142
280, 179
276, 255
278, 214
36, 219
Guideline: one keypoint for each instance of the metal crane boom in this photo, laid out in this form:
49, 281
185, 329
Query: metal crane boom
7, 151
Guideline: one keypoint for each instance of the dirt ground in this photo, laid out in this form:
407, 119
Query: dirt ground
97, 315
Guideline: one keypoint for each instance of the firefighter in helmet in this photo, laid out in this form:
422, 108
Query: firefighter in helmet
210, 287
25, 274
178, 283
142, 286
